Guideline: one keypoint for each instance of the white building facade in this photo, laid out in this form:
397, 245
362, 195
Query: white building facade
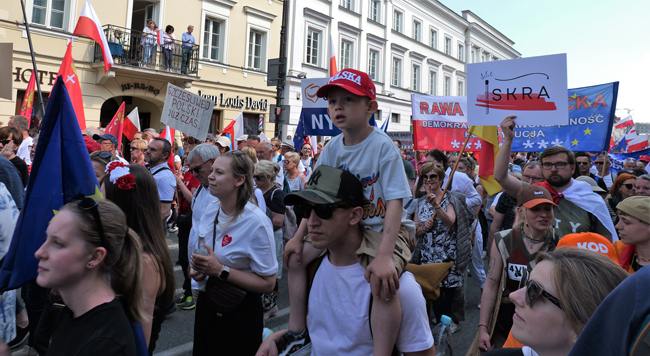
407, 47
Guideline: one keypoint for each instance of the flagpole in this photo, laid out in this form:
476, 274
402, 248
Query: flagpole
31, 50
451, 175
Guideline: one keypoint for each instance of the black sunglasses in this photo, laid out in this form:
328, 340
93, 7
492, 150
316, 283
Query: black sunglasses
430, 177
259, 177
5, 142
534, 291
196, 169
90, 204
583, 163
323, 211
629, 186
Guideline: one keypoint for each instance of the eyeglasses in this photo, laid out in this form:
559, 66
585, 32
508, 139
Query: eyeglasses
534, 291
599, 163
5, 142
259, 177
196, 169
531, 179
430, 177
90, 204
323, 211
583, 163
559, 165
629, 186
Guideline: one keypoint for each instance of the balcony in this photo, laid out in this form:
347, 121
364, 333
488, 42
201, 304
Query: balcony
133, 48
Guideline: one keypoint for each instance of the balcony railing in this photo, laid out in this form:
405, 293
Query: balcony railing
130, 47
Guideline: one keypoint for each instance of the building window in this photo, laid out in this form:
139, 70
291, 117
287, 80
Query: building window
374, 10
50, 13
394, 117
461, 52
417, 30
447, 86
416, 78
348, 4
212, 40
433, 83
397, 72
448, 46
313, 44
482, 58
434, 39
461, 88
346, 52
397, 21
372, 64
255, 44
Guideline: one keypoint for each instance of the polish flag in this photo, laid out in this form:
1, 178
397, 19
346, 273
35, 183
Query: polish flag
625, 123
639, 143
333, 69
116, 126
235, 129
168, 134
631, 135
68, 72
313, 142
132, 125
89, 26
159, 37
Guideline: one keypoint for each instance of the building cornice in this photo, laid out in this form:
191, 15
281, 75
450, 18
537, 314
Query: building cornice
228, 3
253, 11
394, 46
375, 38
433, 62
418, 56
316, 15
345, 27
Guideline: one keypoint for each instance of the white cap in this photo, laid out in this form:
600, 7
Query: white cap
242, 138
223, 141
289, 143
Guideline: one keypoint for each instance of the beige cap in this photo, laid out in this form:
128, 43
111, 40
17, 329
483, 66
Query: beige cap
592, 183
638, 207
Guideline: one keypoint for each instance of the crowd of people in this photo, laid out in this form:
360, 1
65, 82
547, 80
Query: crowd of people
351, 220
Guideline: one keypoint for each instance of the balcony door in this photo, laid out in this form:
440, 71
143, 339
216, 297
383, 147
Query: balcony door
143, 12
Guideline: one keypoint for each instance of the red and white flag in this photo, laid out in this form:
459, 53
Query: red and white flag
235, 129
313, 142
69, 74
333, 69
159, 37
168, 134
28, 100
625, 123
638, 144
116, 126
89, 26
132, 125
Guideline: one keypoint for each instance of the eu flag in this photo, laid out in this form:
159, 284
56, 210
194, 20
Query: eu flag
61, 170
299, 136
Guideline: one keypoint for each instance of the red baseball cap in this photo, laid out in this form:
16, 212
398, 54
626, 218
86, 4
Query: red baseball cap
644, 158
354, 81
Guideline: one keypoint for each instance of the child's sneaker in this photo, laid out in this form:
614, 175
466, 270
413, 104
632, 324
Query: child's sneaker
294, 345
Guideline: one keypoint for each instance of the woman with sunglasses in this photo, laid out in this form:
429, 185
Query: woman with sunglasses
265, 174
512, 252
624, 187
137, 151
94, 260
100, 159
240, 259
436, 237
555, 301
134, 190
10, 140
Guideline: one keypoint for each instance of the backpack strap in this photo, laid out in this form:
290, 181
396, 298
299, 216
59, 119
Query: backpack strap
160, 170
196, 195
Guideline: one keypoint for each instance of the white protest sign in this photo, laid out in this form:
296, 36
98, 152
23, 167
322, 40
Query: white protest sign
534, 89
309, 88
439, 108
187, 112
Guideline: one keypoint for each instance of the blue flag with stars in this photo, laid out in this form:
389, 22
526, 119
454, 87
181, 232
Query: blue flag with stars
61, 169
591, 116
299, 136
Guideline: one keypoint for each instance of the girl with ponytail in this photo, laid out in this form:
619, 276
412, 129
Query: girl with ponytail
94, 260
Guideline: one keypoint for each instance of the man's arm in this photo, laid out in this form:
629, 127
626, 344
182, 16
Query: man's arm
509, 183
165, 211
466, 186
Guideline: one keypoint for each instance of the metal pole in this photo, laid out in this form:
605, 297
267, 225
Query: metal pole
282, 68
31, 50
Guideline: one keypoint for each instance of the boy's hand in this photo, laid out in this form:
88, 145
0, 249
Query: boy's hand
293, 246
383, 278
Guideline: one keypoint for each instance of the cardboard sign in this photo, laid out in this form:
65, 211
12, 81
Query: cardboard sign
187, 112
439, 108
534, 89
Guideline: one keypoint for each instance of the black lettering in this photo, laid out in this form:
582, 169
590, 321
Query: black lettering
17, 74
53, 78
524, 93
543, 90
22, 76
508, 93
496, 94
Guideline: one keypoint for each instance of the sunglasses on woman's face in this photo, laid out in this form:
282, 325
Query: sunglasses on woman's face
534, 291
629, 186
430, 177
323, 211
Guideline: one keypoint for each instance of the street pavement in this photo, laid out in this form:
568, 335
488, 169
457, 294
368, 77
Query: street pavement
177, 332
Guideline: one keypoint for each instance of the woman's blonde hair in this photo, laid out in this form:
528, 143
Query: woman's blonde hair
425, 169
267, 168
139, 144
122, 265
582, 279
242, 166
250, 152
292, 156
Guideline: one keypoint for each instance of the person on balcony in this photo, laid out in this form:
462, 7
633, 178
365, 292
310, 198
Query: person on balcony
168, 46
115, 43
148, 41
188, 46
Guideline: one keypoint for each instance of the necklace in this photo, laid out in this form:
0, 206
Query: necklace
641, 259
530, 241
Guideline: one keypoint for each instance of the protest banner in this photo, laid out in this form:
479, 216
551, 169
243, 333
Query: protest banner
532, 88
187, 112
405, 137
619, 159
591, 110
429, 132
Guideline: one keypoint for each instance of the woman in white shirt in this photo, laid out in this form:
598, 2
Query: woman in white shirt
168, 47
148, 41
241, 260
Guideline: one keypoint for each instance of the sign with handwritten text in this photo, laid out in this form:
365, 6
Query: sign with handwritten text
187, 112
534, 89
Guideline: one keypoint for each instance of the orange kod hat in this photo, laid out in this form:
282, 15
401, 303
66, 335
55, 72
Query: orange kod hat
590, 241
